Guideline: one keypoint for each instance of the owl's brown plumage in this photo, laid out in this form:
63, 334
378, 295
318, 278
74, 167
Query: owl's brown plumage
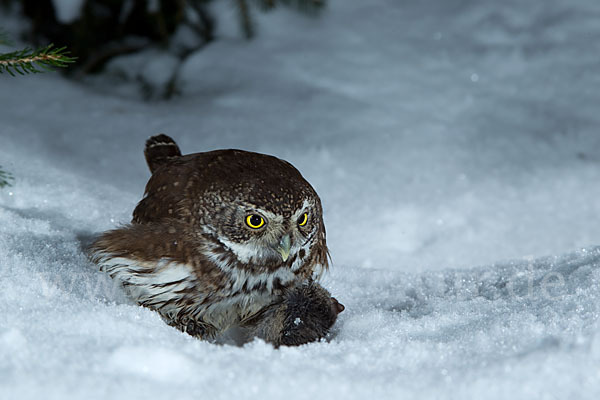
218, 238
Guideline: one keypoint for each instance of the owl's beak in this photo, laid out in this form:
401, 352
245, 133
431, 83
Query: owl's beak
284, 247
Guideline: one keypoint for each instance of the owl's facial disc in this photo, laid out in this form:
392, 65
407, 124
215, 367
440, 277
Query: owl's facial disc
262, 237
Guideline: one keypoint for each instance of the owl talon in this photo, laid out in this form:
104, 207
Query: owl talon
194, 329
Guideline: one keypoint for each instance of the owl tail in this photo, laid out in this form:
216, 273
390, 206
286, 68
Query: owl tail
160, 149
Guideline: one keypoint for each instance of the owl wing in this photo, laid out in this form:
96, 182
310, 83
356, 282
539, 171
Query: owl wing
165, 196
176, 182
160, 267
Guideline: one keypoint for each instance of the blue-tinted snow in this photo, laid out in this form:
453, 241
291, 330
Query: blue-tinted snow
446, 138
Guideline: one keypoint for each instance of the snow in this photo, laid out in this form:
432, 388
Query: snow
454, 147
67, 11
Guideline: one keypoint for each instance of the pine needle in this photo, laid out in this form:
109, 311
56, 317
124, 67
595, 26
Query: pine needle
34, 61
5, 178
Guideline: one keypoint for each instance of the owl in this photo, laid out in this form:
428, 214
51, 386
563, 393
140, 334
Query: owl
222, 239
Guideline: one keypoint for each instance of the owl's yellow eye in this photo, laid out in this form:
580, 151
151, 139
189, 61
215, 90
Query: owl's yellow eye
255, 221
303, 219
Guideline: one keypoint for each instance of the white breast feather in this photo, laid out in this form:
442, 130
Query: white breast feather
160, 285
150, 284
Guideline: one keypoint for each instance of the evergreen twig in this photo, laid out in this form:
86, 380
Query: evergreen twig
33, 61
245, 19
5, 178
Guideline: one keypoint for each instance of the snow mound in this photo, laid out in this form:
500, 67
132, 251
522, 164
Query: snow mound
528, 328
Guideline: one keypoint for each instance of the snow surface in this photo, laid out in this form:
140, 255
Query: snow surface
444, 138
67, 11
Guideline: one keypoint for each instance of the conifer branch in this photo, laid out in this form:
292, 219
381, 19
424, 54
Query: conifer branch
5, 178
33, 61
245, 19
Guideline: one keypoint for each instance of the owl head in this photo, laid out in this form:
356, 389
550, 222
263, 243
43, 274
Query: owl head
262, 211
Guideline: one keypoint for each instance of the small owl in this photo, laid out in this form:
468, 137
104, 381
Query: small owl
221, 239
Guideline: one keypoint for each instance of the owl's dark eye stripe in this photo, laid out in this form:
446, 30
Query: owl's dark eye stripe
303, 219
255, 221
